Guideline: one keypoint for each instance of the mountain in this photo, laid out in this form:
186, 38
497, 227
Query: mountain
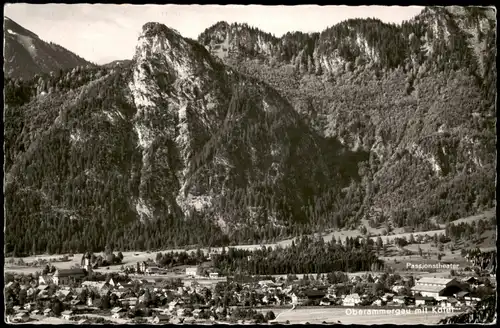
417, 97
242, 137
116, 63
26, 55
172, 148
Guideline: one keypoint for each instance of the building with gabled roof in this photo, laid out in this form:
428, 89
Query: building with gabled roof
45, 280
66, 314
65, 276
436, 287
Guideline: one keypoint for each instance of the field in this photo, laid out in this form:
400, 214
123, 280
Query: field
60, 321
346, 316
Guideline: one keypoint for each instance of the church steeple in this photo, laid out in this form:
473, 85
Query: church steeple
87, 263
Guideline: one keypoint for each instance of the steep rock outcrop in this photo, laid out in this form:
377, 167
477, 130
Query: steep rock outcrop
413, 95
172, 136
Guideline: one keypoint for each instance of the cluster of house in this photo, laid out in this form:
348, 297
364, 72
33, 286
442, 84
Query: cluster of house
426, 292
176, 304
151, 268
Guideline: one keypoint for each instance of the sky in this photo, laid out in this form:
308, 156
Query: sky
102, 33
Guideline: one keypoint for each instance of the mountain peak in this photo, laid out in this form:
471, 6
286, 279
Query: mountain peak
166, 50
26, 55
14, 28
152, 29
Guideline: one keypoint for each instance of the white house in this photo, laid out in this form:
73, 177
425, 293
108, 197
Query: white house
161, 318
214, 275
193, 271
397, 288
66, 314
325, 302
400, 300
154, 270
351, 300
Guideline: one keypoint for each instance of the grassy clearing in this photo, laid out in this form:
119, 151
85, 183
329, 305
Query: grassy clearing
491, 213
316, 316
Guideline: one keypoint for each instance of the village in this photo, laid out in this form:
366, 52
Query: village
146, 292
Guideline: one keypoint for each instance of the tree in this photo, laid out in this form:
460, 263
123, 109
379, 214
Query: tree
57, 307
359, 288
23, 294
270, 316
259, 318
110, 258
378, 288
83, 296
412, 239
120, 256
401, 242
105, 302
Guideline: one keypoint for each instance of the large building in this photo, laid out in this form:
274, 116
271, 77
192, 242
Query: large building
438, 288
65, 276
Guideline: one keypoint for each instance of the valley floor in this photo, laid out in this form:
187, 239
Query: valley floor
393, 256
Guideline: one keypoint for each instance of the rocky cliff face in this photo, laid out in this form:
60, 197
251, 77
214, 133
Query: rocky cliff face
420, 96
271, 137
221, 132
434, 34
173, 135
26, 55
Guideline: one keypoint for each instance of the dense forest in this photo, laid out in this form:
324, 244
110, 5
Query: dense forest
306, 256
296, 134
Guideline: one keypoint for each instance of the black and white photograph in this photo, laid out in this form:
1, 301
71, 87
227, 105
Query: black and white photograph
249, 164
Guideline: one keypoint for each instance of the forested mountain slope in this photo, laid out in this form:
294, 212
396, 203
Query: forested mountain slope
281, 137
173, 148
26, 55
418, 97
